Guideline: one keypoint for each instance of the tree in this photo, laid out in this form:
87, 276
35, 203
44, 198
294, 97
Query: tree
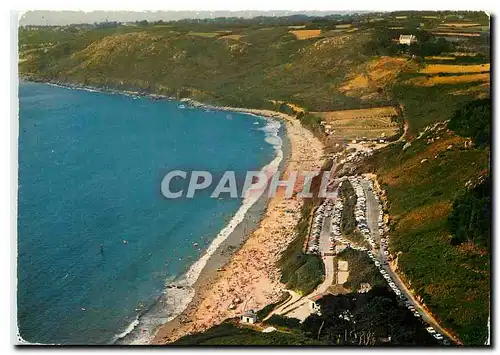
366, 319
470, 219
473, 120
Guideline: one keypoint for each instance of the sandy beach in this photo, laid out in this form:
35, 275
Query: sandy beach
251, 275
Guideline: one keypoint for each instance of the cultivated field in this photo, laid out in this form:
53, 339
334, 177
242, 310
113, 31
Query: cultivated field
453, 79
306, 34
204, 34
455, 69
356, 124
457, 34
438, 57
460, 24
233, 37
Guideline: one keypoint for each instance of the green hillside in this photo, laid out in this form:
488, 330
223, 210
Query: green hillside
443, 260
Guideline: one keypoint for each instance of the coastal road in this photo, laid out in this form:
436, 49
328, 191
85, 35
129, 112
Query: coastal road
372, 212
298, 306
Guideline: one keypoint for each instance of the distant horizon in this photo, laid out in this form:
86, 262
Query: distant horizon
63, 18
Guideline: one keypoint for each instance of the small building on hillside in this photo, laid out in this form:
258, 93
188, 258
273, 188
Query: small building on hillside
364, 287
250, 317
407, 39
314, 306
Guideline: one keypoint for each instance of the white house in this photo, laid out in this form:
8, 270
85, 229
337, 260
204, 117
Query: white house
407, 39
249, 317
314, 306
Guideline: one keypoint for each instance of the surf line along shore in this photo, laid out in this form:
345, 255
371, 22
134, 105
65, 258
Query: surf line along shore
251, 274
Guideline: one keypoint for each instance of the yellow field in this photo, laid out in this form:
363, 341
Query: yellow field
355, 124
457, 34
454, 79
430, 17
233, 37
451, 68
343, 26
377, 112
401, 17
437, 57
204, 34
306, 34
460, 24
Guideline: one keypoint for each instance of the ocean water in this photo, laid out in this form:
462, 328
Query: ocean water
90, 169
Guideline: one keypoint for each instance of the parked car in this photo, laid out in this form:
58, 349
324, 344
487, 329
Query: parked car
430, 330
438, 336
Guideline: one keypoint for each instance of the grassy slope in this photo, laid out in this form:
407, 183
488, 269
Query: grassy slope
261, 66
427, 105
229, 334
454, 281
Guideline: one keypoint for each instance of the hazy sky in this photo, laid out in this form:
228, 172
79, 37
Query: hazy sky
71, 17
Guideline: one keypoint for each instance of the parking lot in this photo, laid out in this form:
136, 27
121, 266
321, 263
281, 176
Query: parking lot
370, 222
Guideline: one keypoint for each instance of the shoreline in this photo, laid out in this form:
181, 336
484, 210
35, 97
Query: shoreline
277, 215
231, 237
251, 274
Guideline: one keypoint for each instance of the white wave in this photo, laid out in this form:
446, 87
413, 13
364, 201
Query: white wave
271, 130
127, 330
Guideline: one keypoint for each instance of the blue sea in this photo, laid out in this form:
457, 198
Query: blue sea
90, 169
